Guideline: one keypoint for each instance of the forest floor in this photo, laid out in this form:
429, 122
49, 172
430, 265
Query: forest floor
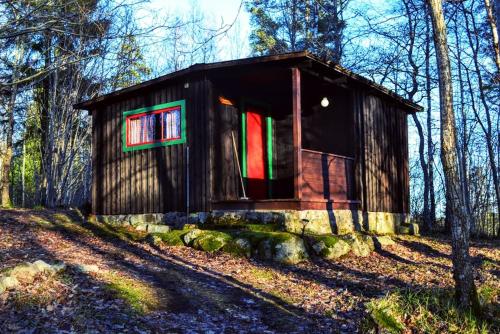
115, 284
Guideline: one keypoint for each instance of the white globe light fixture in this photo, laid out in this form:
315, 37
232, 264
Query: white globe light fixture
324, 102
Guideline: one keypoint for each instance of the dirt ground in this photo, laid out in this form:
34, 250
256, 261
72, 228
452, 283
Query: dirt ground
182, 290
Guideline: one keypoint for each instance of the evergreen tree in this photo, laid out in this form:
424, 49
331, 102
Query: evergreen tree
294, 25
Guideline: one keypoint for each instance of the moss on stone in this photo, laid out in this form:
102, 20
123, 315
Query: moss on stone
211, 241
362, 245
245, 227
126, 233
226, 219
329, 246
172, 238
281, 247
238, 247
256, 237
189, 237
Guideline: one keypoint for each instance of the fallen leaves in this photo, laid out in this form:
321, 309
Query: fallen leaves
204, 292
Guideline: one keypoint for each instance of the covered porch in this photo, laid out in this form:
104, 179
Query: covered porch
284, 140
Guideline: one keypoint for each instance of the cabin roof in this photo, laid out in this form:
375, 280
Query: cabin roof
295, 57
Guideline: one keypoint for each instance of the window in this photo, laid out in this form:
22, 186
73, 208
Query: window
159, 125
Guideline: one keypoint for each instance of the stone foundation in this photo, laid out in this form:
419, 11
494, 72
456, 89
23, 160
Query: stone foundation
312, 221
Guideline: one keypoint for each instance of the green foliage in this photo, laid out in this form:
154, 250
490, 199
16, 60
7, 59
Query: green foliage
32, 161
429, 311
282, 25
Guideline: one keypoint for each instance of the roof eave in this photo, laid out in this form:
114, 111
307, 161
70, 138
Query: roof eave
86, 105
410, 106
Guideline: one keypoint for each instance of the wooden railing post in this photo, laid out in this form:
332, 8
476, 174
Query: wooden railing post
297, 133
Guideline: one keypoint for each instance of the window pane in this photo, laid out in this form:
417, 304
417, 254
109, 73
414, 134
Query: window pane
176, 123
134, 133
171, 124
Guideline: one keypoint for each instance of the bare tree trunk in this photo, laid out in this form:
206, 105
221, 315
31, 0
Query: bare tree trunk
494, 33
412, 22
9, 133
430, 144
463, 144
460, 224
488, 127
7, 156
423, 165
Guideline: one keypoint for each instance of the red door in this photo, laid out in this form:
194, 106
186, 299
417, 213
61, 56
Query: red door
256, 149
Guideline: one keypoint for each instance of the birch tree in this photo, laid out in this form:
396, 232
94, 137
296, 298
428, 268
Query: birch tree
465, 289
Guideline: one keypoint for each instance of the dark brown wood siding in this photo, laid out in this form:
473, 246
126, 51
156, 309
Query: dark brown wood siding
153, 180
381, 166
226, 175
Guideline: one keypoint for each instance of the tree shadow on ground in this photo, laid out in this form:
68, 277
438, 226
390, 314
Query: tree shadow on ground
191, 289
394, 257
423, 248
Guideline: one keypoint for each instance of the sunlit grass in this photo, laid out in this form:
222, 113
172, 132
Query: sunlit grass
140, 296
261, 274
428, 311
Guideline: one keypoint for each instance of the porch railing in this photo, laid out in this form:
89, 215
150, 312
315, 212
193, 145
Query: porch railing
327, 176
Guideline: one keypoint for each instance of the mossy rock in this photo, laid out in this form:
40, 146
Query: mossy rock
407, 228
281, 247
329, 246
226, 219
7, 283
382, 242
211, 241
191, 235
246, 227
189, 226
239, 247
362, 245
290, 251
255, 237
24, 272
172, 238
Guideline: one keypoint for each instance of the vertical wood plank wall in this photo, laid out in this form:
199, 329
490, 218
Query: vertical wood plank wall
381, 166
152, 180
226, 121
327, 177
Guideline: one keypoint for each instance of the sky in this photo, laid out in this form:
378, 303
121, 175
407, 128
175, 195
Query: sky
218, 14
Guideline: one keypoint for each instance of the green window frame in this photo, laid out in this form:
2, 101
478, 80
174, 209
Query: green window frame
161, 109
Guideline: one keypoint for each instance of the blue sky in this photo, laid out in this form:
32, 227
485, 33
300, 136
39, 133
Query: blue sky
217, 13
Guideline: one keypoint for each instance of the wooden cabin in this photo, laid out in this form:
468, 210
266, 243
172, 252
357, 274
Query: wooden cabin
276, 133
